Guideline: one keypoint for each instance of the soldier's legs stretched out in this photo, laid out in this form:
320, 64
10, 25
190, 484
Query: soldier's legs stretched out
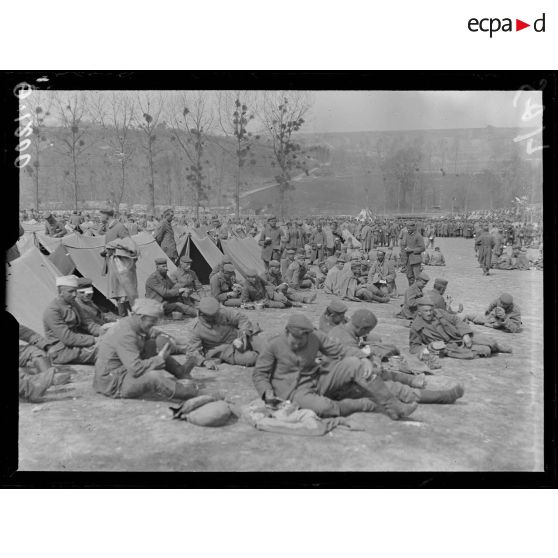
155, 384
187, 310
74, 355
479, 319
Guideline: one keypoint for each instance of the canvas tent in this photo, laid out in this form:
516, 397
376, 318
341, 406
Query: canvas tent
204, 254
31, 286
245, 254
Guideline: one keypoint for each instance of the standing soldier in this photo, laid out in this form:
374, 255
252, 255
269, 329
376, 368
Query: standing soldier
403, 233
485, 243
318, 241
414, 248
120, 254
270, 241
165, 236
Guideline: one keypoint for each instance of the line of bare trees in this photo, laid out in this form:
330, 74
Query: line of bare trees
192, 119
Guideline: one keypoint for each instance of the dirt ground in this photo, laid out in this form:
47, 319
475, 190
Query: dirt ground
496, 426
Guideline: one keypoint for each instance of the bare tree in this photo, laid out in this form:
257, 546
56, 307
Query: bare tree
150, 109
192, 119
282, 114
116, 116
39, 105
235, 113
71, 111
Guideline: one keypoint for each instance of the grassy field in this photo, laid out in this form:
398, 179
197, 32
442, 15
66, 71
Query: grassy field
496, 426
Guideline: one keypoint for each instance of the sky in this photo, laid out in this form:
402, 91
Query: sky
352, 111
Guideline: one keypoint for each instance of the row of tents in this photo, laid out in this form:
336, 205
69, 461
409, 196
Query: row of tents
31, 278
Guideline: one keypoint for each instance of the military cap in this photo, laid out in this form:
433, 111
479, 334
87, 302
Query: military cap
440, 282
425, 301
337, 306
186, 259
160, 261
147, 307
341, 259
84, 282
209, 305
67, 281
506, 298
107, 211
299, 323
274, 263
423, 276
272, 218
251, 273
228, 268
291, 251
364, 318
380, 250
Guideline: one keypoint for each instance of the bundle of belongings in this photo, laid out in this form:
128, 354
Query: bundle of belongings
288, 418
204, 410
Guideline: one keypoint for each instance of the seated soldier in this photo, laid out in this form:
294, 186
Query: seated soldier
501, 314
437, 296
321, 276
32, 386
432, 324
412, 294
382, 274
160, 287
134, 359
373, 289
219, 267
436, 258
72, 336
225, 288
522, 261
254, 290
333, 315
279, 291
89, 309
505, 261
220, 334
406, 387
287, 369
185, 277
333, 280
296, 275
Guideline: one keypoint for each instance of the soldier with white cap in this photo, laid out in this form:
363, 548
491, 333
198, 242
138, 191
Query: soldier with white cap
134, 358
71, 335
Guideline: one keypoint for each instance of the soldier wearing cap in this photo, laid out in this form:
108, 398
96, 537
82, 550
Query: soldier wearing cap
288, 370
270, 241
219, 267
121, 254
333, 315
71, 336
382, 271
501, 314
432, 324
53, 227
224, 287
222, 334
297, 276
414, 247
436, 258
437, 296
412, 294
287, 259
318, 243
134, 359
89, 309
405, 387
164, 236
334, 278
185, 277
279, 290
160, 287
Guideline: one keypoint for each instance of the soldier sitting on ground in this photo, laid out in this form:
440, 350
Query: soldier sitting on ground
433, 325
160, 287
225, 288
222, 334
254, 290
134, 359
501, 314
437, 296
435, 258
406, 387
90, 310
185, 277
333, 315
412, 294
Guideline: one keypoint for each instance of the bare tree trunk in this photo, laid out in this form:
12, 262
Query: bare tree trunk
151, 189
76, 185
123, 171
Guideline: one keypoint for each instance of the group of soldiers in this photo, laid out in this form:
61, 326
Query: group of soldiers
335, 368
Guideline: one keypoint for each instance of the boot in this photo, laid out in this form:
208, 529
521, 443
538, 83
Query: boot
39, 384
121, 309
445, 396
185, 390
349, 406
416, 381
180, 371
386, 401
502, 348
